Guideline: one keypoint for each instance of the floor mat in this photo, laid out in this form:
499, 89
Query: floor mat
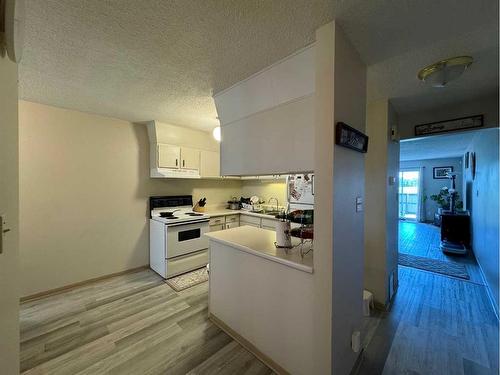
433, 265
189, 279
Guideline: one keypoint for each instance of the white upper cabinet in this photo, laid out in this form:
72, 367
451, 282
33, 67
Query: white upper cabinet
209, 164
289, 79
176, 152
267, 120
190, 158
168, 156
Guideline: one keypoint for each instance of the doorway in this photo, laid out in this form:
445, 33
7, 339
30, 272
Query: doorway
409, 192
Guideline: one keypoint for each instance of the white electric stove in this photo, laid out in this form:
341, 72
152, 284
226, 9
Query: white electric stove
177, 242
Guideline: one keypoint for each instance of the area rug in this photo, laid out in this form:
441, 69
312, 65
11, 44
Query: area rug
189, 279
434, 265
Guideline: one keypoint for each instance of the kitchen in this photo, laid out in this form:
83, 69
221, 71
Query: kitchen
108, 195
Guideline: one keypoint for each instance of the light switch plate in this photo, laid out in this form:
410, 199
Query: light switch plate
3, 230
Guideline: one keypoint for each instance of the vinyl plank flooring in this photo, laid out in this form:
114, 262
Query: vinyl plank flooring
129, 324
423, 239
437, 324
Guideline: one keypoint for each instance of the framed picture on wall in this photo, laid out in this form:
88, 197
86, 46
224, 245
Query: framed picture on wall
349, 137
439, 173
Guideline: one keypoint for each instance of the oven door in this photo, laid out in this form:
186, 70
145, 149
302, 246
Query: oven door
186, 238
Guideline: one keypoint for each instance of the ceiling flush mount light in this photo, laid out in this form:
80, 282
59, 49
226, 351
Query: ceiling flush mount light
441, 73
216, 133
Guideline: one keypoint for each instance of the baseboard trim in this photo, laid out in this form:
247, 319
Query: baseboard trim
65, 288
488, 290
248, 346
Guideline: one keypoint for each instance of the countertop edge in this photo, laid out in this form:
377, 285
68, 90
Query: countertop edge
217, 213
285, 262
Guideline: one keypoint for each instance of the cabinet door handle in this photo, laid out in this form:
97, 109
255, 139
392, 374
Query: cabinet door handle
183, 163
176, 162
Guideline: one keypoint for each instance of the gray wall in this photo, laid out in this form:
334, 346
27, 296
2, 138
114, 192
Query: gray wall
483, 192
431, 185
348, 225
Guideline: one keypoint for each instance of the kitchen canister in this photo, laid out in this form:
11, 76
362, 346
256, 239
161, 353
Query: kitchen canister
283, 238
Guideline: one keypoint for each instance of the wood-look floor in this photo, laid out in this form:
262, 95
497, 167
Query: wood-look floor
438, 325
130, 324
422, 239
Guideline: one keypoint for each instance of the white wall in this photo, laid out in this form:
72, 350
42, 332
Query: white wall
484, 194
381, 201
84, 188
488, 106
433, 186
9, 206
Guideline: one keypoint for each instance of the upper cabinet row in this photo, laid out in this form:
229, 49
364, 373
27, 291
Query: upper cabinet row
178, 157
267, 120
185, 162
177, 152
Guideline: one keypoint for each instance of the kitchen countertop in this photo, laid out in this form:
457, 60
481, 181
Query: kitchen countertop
227, 211
260, 242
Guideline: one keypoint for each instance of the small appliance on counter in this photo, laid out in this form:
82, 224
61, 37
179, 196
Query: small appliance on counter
234, 204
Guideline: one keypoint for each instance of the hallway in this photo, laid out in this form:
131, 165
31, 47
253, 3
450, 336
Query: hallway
437, 324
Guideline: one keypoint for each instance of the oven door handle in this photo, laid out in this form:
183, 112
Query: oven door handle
187, 223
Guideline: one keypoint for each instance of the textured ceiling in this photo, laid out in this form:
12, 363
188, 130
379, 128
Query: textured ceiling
157, 59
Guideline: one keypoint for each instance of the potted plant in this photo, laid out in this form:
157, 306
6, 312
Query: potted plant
443, 199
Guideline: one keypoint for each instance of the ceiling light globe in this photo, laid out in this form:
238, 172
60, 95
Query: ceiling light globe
217, 134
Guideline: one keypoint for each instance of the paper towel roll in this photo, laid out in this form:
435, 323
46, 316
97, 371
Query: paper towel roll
283, 238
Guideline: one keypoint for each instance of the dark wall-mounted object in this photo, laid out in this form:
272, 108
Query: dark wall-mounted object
439, 173
455, 124
349, 137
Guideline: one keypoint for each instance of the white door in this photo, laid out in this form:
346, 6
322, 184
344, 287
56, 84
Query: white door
168, 156
190, 158
9, 207
409, 194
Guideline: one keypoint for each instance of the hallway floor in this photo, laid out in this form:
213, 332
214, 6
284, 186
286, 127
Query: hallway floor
422, 239
437, 324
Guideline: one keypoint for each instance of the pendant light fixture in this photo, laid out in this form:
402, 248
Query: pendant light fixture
441, 73
217, 134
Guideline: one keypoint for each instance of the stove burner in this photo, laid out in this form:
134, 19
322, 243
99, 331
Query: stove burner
193, 214
170, 217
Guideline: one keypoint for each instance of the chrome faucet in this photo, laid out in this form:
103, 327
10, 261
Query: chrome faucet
277, 203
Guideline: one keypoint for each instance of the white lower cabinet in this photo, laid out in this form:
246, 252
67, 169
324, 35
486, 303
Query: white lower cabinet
216, 227
250, 220
235, 220
224, 222
232, 225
